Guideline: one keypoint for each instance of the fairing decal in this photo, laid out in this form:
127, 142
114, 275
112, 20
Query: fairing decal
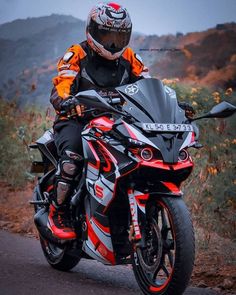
88, 248
135, 134
97, 160
104, 229
99, 246
134, 214
141, 200
107, 151
187, 141
102, 123
104, 238
130, 131
172, 187
182, 165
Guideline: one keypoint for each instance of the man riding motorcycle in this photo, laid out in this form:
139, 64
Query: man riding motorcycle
102, 62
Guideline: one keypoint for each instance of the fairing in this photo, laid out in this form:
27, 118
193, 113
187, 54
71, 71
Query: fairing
148, 102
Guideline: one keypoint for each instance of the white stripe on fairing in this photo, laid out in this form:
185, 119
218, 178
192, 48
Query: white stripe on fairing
108, 183
187, 141
67, 73
141, 137
92, 169
106, 240
107, 194
91, 175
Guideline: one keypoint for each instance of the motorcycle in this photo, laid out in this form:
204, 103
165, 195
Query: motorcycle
128, 207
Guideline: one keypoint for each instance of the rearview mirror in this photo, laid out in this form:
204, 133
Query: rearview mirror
222, 110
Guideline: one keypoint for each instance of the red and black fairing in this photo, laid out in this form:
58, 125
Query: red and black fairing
126, 166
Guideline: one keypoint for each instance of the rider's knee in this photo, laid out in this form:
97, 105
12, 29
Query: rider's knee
70, 165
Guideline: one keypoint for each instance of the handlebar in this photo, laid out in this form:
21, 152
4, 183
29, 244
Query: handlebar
114, 101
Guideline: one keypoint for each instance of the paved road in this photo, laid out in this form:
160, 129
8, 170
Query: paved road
24, 271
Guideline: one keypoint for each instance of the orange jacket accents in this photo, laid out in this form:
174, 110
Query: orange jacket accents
136, 65
68, 68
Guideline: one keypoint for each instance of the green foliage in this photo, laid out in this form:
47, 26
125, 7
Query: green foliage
18, 129
211, 190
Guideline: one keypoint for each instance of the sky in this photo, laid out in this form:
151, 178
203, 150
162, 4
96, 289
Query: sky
148, 16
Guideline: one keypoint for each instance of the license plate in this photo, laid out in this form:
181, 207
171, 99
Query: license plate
167, 127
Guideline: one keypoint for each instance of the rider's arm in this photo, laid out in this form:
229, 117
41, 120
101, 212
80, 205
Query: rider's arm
138, 69
68, 68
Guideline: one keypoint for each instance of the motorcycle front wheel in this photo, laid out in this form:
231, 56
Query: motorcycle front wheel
164, 265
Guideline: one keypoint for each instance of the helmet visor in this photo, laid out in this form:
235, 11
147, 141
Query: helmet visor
113, 39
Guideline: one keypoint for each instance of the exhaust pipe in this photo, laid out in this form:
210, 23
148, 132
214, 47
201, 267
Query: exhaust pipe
40, 220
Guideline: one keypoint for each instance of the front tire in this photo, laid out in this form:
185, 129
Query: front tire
164, 265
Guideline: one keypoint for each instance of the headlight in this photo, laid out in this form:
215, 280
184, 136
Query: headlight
146, 154
183, 155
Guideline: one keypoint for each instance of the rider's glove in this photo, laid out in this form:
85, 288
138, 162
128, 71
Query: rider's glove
189, 110
71, 107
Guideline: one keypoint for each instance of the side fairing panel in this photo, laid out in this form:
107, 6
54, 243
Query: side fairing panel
104, 166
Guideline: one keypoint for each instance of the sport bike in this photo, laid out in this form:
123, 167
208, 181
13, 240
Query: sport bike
128, 207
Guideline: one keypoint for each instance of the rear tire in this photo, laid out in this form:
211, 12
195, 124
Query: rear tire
165, 265
58, 256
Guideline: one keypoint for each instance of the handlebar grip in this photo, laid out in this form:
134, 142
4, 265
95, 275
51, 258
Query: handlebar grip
115, 100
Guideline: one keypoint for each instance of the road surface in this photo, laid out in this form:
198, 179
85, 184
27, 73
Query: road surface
24, 270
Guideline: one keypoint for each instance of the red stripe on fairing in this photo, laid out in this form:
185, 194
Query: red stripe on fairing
102, 123
95, 155
193, 137
155, 164
143, 197
131, 133
182, 165
159, 164
101, 227
100, 247
108, 153
172, 187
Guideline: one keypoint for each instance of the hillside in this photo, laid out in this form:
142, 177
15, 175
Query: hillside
22, 28
207, 58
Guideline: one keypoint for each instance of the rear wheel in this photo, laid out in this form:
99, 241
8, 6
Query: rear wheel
59, 256
165, 264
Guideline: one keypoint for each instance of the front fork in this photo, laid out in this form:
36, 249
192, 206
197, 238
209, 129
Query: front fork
137, 202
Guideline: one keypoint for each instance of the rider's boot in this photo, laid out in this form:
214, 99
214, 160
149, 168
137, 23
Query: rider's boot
59, 219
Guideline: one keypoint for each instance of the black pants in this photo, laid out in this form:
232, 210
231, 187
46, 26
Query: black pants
68, 136
69, 147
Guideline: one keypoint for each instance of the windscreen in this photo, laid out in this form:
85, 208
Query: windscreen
148, 102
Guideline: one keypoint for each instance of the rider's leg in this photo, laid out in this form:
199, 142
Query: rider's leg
68, 142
